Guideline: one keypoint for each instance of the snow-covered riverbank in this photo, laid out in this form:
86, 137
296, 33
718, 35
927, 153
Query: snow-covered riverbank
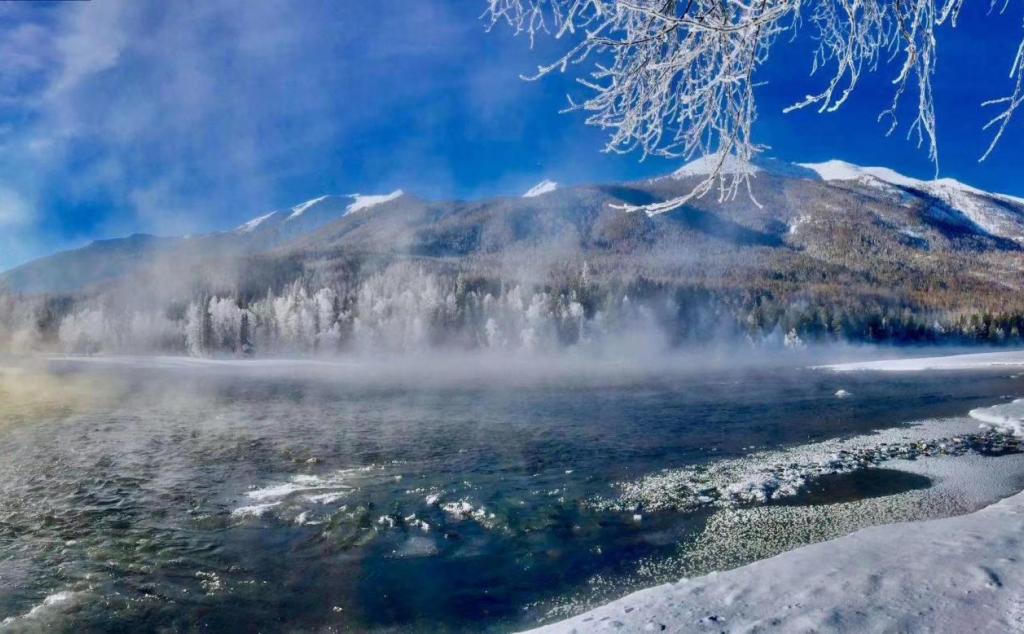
958, 574
961, 574
977, 361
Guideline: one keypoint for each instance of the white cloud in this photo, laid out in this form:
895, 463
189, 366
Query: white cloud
14, 209
166, 117
92, 42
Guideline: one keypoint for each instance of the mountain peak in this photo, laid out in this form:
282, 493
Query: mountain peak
252, 225
705, 165
953, 184
366, 201
836, 170
299, 209
996, 214
943, 188
945, 215
544, 187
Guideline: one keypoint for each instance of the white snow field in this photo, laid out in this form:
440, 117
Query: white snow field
977, 361
957, 574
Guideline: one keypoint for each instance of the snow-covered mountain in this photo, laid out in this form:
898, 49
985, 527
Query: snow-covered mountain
996, 214
706, 165
813, 215
312, 214
104, 261
98, 262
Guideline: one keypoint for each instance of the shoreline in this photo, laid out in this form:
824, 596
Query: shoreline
968, 361
959, 573
676, 605
952, 574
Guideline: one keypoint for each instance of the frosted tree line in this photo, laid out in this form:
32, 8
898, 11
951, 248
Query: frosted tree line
677, 78
401, 309
407, 308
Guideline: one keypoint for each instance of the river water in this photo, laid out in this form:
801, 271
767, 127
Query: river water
141, 496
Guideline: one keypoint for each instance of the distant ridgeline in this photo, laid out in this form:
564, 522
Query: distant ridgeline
829, 252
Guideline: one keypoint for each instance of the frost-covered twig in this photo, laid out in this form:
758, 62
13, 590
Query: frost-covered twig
1010, 104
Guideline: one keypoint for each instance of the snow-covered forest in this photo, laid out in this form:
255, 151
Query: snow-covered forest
403, 308
406, 308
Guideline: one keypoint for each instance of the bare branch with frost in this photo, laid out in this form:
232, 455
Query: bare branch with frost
676, 78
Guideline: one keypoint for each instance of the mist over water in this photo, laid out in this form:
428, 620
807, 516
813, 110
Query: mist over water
454, 407
426, 492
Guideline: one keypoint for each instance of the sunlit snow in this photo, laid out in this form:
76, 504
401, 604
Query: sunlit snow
361, 202
250, 226
543, 187
299, 209
996, 214
976, 361
705, 165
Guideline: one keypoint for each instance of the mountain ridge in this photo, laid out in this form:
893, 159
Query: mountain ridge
853, 256
978, 219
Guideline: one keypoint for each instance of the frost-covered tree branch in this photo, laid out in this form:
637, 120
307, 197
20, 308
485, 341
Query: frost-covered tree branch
676, 78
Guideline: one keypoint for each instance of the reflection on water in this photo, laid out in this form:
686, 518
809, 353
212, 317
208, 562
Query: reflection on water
136, 498
30, 392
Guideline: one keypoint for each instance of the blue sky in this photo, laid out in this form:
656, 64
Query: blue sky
195, 115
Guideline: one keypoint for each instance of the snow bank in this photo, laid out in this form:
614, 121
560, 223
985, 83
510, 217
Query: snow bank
1009, 416
952, 575
949, 362
959, 574
773, 475
543, 187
